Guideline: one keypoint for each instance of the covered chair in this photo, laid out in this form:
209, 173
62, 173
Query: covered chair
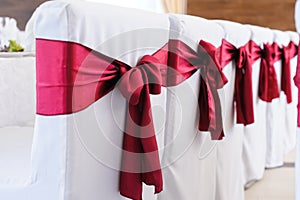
291, 108
255, 138
229, 151
77, 154
277, 126
190, 155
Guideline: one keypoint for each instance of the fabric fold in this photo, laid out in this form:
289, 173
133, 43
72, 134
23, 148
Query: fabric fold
140, 159
211, 79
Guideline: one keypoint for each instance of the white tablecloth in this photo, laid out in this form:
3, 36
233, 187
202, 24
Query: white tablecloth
17, 89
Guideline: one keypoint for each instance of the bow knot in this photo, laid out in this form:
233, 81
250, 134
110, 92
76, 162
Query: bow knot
146, 76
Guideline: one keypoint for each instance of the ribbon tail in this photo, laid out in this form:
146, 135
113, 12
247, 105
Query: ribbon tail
263, 81
286, 80
218, 132
210, 111
203, 102
140, 161
130, 176
243, 97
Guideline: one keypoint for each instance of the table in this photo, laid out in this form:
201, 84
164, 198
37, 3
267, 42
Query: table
17, 89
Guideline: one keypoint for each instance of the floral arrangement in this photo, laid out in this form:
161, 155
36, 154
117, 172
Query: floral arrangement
12, 47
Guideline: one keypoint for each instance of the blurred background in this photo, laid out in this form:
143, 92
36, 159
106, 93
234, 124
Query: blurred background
277, 14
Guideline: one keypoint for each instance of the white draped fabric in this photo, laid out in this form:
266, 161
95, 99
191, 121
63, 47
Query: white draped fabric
229, 151
190, 158
255, 135
275, 123
150, 5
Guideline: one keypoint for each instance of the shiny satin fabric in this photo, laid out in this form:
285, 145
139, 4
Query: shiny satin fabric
244, 58
297, 83
212, 78
288, 52
71, 83
268, 83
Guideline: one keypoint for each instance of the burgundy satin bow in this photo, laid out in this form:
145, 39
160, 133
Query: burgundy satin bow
288, 52
212, 78
244, 58
140, 160
184, 61
297, 83
268, 83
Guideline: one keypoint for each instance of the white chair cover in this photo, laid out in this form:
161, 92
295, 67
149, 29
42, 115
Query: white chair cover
291, 109
229, 151
191, 157
254, 145
150, 5
69, 155
276, 126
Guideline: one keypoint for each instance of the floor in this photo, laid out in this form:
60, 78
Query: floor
277, 184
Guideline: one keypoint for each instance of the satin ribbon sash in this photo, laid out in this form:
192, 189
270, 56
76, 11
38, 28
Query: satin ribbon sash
297, 83
70, 77
244, 57
288, 52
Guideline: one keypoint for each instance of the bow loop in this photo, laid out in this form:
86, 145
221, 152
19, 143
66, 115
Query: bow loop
211, 62
241, 57
229, 52
289, 51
